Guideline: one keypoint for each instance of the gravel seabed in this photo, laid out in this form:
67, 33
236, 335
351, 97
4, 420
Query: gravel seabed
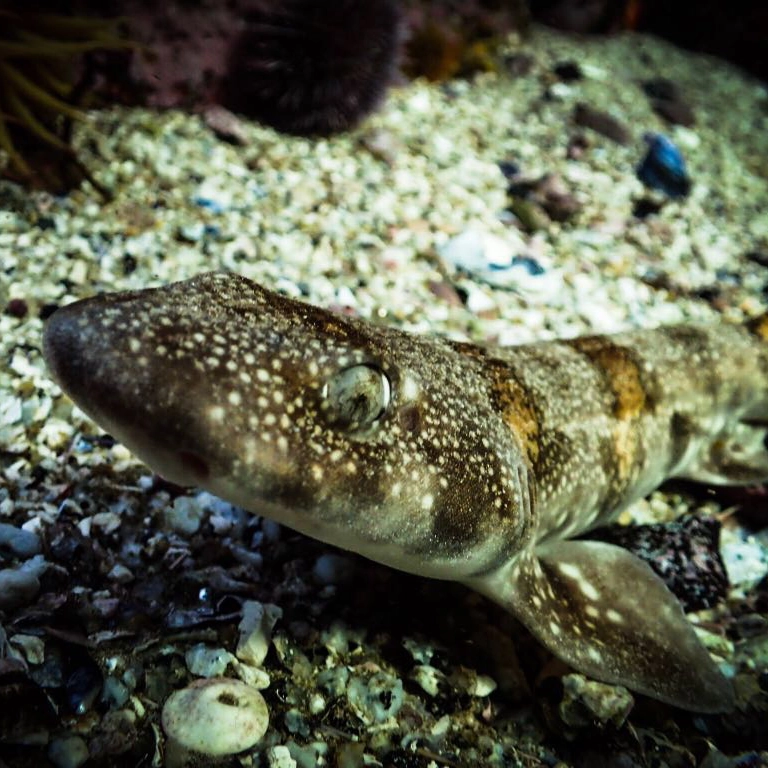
358, 223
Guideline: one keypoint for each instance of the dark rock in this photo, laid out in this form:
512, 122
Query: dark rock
26, 713
757, 257
17, 588
661, 88
568, 71
674, 112
129, 264
17, 308
684, 553
519, 64
17, 542
509, 168
83, 684
602, 123
577, 146
548, 194
645, 207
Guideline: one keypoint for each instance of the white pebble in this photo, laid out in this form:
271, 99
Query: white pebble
280, 757
216, 716
32, 647
256, 628
207, 662
184, 516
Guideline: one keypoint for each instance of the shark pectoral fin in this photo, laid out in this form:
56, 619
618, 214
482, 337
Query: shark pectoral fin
604, 612
740, 456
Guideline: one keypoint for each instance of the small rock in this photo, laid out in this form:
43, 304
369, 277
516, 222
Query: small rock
446, 292
674, 112
251, 675
352, 755
83, 684
280, 757
255, 629
578, 144
217, 716
69, 752
519, 64
377, 699
509, 169
602, 123
226, 125
332, 569
530, 215
757, 257
587, 703
660, 88
382, 145
78, 272
18, 542
568, 71
668, 102
185, 515
310, 755
474, 684
17, 587
115, 693
550, 193
32, 647
429, 678
207, 662
106, 522
121, 574
646, 206
17, 308
191, 233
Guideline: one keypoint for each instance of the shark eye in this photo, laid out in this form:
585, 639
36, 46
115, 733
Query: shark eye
354, 398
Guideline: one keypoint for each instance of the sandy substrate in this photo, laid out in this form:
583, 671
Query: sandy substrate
142, 575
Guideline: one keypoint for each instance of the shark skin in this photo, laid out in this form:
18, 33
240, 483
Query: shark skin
445, 459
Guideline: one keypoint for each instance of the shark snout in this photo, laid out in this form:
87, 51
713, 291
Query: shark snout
65, 347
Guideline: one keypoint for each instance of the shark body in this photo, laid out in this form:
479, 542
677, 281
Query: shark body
445, 459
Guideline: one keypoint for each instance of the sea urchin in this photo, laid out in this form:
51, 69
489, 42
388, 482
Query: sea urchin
313, 67
37, 52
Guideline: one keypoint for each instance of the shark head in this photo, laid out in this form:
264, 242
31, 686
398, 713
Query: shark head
365, 437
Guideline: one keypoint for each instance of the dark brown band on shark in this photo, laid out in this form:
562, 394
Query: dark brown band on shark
623, 452
516, 405
510, 396
621, 372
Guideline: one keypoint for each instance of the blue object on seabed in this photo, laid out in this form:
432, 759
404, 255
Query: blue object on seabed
663, 167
